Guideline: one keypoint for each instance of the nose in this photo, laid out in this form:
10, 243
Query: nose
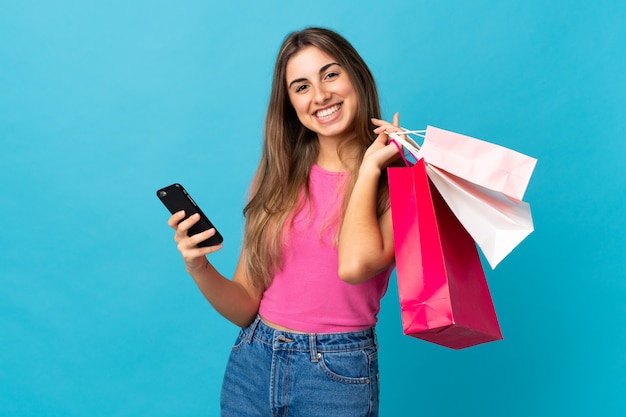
321, 95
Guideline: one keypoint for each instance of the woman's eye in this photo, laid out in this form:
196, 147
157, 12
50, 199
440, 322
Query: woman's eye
301, 88
331, 75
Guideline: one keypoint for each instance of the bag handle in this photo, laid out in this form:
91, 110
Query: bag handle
403, 139
401, 152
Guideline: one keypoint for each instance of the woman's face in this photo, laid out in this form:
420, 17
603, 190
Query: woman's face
322, 93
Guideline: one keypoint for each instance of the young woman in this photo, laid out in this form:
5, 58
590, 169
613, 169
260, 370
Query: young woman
318, 243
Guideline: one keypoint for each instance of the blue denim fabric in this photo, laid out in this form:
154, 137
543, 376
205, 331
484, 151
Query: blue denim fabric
276, 373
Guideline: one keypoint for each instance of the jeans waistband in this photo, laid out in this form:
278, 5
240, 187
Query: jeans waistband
310, 342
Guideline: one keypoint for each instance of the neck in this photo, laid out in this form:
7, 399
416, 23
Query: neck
329, 158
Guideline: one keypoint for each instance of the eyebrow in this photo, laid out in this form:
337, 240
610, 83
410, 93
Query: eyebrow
321, 71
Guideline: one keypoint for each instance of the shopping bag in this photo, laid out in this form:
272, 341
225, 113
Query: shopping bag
497, 223
486, 164
444, 297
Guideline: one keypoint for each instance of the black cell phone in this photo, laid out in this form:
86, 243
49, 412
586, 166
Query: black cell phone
176, 198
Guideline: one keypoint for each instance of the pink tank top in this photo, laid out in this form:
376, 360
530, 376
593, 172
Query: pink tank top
307, 294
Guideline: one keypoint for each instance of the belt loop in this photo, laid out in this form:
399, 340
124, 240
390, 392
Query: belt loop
313, 345
252, 329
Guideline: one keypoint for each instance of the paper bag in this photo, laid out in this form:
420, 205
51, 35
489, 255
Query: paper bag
496, 223
486, 164
444, 296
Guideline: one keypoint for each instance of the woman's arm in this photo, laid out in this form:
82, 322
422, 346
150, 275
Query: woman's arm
366, 240
234, 299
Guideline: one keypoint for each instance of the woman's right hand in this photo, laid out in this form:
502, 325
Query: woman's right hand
193, 255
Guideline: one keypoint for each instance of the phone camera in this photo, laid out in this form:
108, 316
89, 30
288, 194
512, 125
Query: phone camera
162, 194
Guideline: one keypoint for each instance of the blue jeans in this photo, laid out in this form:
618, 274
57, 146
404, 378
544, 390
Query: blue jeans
276, 373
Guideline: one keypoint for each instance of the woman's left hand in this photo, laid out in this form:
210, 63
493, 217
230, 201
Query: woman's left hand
381, 153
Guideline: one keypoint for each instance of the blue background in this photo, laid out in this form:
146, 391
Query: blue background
101, 103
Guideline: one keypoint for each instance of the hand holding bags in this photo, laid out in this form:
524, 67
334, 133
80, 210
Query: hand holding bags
443, 292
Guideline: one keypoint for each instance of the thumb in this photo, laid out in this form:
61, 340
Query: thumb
396, 119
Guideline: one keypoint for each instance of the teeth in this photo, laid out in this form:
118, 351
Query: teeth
326, 113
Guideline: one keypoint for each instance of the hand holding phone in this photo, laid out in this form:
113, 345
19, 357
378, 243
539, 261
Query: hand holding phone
176, 198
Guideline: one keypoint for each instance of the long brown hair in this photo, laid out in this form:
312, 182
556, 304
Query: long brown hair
290, 150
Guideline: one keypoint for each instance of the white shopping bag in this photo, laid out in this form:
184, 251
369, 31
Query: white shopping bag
496, 223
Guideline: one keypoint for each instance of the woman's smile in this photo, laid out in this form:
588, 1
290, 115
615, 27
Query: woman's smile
328, 113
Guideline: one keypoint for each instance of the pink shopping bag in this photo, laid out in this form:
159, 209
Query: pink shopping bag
486, 164
444, 297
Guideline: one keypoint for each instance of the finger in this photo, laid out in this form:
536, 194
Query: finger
392, 150
183, 227
210, 249
382, 138
388, 129
389, 154
384, 126
189, 247
201, 237
186, 224
396, 119
384, 155
175, 219
380, 123
191, 255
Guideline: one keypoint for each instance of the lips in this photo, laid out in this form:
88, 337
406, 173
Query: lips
327, 113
